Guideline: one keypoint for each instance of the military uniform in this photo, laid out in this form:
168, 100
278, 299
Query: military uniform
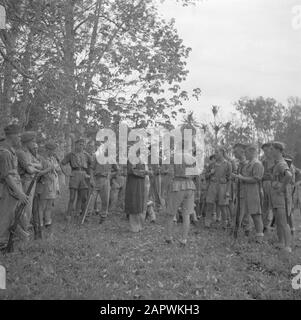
8, 198
102, 174
219, 183
278, 197
267, 208
26, 163
48, 188
251, 193
118, 185
181, 192
80, 162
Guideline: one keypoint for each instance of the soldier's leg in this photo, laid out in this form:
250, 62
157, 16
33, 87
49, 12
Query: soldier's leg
188, 209
283, 229
224, 209
48, 216
114, 198
258, 223
72, 196
173, 202
38, 216
81, 201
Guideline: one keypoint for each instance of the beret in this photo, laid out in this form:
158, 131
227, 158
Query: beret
50, 145
12, 129
28, 136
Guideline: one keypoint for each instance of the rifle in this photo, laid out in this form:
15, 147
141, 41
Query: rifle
87, 206
18, 214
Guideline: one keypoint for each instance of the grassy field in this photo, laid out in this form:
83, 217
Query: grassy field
108, 262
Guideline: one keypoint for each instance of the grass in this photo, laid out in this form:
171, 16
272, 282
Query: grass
108, 262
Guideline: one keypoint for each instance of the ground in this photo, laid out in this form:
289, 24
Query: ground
108, 262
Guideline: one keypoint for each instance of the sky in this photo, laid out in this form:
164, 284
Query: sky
239, 48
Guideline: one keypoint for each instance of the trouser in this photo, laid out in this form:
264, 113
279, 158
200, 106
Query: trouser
27, 216
8, 206
103, 195
117, 195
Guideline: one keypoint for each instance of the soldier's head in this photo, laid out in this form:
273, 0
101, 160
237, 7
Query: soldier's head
239, 150
90, 148
220, 153
34, 148
50, 147
277, 149
266, 148
12, 134
79, 145
28, 140
251, 151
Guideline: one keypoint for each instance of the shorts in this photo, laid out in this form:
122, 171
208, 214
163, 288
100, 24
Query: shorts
78, 180
183, 199
217, 194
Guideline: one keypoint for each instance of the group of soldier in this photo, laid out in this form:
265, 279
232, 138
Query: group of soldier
239, 192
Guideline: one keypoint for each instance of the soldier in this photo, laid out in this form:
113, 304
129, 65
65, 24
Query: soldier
11, 191
81, 176
47, 189
28, 166
219, 188
250, 182
289, 193
118, 184
245, 219
281, 177
181, 194
102, 174
268, 164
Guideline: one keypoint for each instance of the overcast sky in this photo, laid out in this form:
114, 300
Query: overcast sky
239, 48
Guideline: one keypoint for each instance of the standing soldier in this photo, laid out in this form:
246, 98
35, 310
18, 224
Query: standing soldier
102, 174
11, 192
250, 181
47, 189
28, 166
244, 219
289, 194
118, 185
219, 188
281, 177
181, 194
81, 175
268, 164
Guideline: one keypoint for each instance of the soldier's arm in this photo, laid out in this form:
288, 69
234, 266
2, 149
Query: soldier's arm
257, 174
287, 179
24, 164
7, 171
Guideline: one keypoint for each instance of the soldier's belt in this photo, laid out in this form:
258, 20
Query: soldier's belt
221, 181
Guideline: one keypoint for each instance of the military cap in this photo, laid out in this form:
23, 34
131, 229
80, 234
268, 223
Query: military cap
28, 136
80, 139
278, 145
266, 145
12, 129
50, 145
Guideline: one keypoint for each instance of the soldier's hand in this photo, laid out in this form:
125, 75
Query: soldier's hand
23, 198
92, 183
